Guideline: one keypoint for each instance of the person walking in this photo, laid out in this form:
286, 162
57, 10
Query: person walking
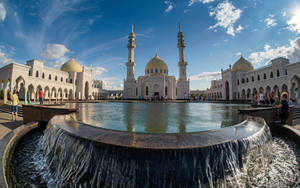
14, 107
41, 96
284, 108
28, 97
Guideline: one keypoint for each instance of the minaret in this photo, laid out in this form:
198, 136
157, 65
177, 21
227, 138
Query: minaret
181, 64
130, 64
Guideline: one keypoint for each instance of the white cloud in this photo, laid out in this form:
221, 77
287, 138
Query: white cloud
191, 2
98, 71
294, 22
2, 12
238, 54
55, 51
170, 5
292, 52
112, 83
59, 62
4, 60
226, 15
206, 76
270, 21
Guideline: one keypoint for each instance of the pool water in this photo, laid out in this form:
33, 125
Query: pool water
159, 117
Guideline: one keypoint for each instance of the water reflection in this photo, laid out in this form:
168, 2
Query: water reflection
181, 118
159, 117
156, 118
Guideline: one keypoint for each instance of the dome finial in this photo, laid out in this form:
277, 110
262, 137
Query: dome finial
132, 28
156, 53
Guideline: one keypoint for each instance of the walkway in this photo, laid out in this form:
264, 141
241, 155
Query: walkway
8, 129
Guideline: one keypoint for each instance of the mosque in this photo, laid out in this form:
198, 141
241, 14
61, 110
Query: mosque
241, 81
72, 82
156, 82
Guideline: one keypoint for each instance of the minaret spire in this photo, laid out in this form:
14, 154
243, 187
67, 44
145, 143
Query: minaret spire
130, 64
181, 64
179, 27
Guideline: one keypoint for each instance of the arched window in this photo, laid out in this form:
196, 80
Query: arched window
29, 73
151, 71
66, 80
55, 78
161, 71
147, 90
243, 80
61, 79
278, 73
165, 71
271, 75
49, 76
258, 77
71, 81
43, 75
265, 76
252, 78
37, 74
247, 80
166, 91
156, 70
286, 72
238, 82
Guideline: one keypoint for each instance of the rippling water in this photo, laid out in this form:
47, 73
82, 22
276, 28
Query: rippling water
159, 117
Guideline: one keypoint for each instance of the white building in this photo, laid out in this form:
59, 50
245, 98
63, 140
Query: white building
71, 82
156, 82
241, 81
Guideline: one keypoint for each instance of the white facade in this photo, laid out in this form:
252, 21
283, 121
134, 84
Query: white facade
56, 84
156, 82
280, 75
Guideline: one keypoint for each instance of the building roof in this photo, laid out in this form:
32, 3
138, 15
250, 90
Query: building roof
156, 63
242, 65
71, 66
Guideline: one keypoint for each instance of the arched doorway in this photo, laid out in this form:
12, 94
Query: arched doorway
47, 93
31, 92
65, 94
295, 87
156, 90
86, 90
227, 90
248, 93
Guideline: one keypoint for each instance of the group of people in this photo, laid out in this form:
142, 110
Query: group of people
15, 101
273, 100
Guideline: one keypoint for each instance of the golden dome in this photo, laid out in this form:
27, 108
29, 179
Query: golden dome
242, 65
156, 65
71, 66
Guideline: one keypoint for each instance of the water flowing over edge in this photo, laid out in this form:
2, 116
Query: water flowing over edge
79, 162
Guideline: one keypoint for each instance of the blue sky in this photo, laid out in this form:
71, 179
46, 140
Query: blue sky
95, 33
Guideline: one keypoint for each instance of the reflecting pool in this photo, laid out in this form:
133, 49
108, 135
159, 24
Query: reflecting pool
159, 117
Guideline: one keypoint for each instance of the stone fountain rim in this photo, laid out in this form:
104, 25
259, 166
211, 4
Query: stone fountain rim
250, 127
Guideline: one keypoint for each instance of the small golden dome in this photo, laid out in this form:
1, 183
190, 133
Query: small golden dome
156, 65
71, 66
242, 65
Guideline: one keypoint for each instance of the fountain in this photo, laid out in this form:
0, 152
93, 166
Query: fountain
71, 153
